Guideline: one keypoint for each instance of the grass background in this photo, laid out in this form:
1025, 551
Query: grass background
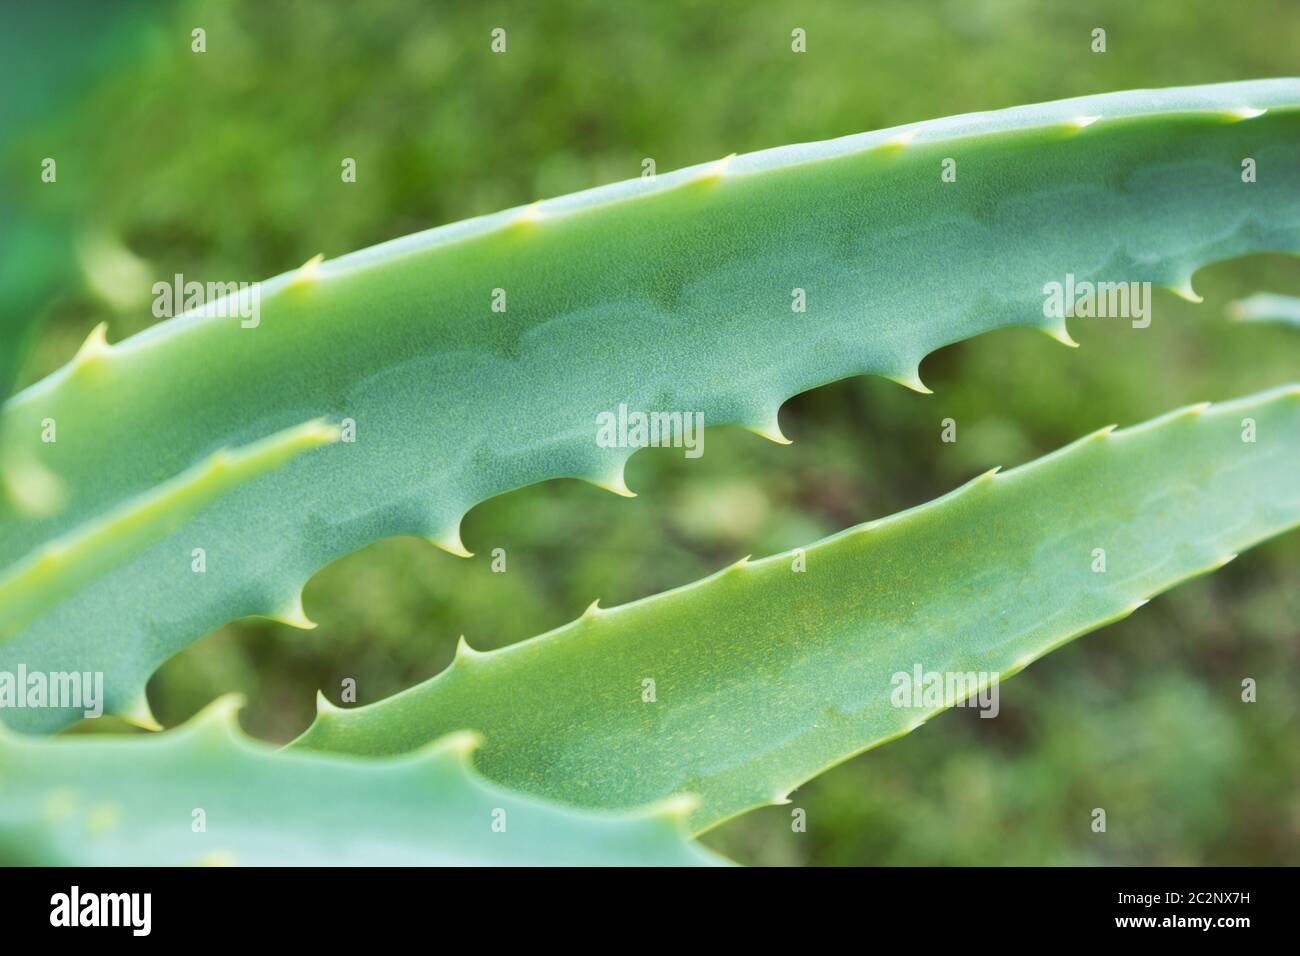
225, 166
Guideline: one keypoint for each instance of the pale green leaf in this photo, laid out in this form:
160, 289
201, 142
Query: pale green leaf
206, 794
764, 675
671, 294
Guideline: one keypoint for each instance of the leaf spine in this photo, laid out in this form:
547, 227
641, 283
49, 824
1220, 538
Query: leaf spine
308, 272
769, 429
716, 170
325, 707
94, 350
449, 540
615, 483
464, 652
1183, 289
911, 380
1060, 332
294, 615
140, 714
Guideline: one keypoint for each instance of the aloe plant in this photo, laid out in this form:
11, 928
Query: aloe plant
38, 582
771, 671
205, 794
666, 293
157, 488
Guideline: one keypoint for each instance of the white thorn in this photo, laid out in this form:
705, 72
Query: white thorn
615, 483
902, 139
450, 541
718, 169
464, 651
1061, 334
1185, 291
96, 344
530, 213
308, 271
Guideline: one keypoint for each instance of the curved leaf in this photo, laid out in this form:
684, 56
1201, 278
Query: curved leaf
673, 294
58, 569
121, 801
765, 675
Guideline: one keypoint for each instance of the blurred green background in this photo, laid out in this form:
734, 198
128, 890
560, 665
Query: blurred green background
226, 165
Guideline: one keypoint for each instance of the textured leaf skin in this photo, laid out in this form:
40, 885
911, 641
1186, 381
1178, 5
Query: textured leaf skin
1267, 307
673, 294
123, 801
58, 569
766, 677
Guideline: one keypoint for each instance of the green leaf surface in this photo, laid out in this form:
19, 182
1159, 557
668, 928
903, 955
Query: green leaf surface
670, 294
765, 676
58, 569
121, 801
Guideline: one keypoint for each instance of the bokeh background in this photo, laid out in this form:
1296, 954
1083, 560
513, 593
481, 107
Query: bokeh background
226, 165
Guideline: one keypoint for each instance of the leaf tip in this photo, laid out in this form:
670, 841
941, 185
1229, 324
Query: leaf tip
898, 142
94, 350
139, 714
770, 429
735, 566
464, 652
911, 380
293, 615
528, 215
1245, 113
714, 171
450, 541
1060, 333
616, 483
324, 706
1184, 290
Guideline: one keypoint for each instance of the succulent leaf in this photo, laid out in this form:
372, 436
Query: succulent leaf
58, 569
672, 293
206, 794
765, 675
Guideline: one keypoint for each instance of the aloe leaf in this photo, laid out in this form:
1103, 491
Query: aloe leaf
58, 569
206, 794
1266, 307
764, 676
665, 294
